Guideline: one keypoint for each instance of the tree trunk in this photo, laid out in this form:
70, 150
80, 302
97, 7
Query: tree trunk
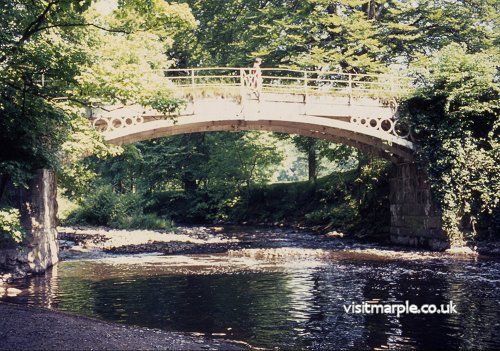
189, 183
312, 162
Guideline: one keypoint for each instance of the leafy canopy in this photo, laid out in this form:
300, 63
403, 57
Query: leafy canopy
59, 57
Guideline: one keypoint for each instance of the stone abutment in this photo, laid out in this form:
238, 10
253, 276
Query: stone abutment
415, 219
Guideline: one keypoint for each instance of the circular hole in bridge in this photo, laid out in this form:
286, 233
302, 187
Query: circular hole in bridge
401, 129
386, 125
117, 123
101, 125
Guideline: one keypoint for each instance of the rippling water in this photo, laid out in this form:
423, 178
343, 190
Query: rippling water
272, 297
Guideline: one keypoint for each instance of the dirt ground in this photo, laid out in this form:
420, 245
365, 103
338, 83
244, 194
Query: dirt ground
32, 328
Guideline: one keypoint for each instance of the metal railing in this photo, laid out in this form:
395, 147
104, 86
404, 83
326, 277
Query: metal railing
278, 80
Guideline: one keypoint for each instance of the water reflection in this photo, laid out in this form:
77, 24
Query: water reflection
286, 303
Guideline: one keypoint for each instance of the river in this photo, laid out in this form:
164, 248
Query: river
284, 289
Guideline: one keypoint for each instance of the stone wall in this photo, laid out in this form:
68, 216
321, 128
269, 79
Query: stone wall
38, 207
415, 220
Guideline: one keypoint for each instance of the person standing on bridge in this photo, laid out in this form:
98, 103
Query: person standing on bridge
256, 77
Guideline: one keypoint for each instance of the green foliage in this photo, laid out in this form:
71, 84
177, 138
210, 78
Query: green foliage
59, 57
189, 178
144, 221
418, 28
456, 115
239, 159
355, 201
312, 33
371, 194
123, 211
74, 177
33, 124
350, 35
212, 162
340, 216
11, 231
116, 57
182, 207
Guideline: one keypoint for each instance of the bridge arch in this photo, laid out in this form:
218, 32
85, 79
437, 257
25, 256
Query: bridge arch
353, 109
356, 110
316, 127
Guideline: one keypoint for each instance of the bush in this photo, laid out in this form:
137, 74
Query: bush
97, 209
340, 216
356, 202
194, 207
105, 207
351, 201
143, 221
11, 231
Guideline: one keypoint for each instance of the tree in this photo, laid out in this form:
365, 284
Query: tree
33, 42
412, 29
175, 162
59, 57
456, 115
344, 36
320, 34
240, 160
309, 147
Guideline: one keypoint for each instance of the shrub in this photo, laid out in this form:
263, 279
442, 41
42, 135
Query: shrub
105, 207
97, 209
143, 221
194, 207
341, 215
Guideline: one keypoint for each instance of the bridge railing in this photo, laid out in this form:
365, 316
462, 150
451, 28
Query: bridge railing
277, 80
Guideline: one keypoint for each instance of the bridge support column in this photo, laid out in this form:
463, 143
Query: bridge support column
415, 219
38, 207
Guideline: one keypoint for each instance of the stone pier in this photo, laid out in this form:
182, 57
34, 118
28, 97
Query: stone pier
415, 219
38, 207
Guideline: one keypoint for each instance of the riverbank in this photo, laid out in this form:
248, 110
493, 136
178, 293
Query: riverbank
84, 241
33, 328
81, 242
94, 242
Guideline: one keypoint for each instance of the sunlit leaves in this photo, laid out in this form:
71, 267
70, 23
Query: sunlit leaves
11, 231
58, 57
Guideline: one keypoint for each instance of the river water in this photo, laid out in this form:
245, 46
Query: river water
284, 290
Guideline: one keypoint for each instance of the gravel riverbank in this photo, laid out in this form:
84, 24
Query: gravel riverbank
80, 242
33, 328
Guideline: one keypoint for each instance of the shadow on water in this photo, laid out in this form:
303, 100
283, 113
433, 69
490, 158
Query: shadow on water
290, 304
